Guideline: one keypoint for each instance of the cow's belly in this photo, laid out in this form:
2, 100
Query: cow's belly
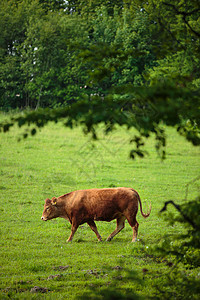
107, 217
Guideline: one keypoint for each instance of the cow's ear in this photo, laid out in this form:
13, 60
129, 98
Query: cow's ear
47, 201
54, 201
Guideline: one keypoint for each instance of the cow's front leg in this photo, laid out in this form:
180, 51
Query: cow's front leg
94, 228
73, 230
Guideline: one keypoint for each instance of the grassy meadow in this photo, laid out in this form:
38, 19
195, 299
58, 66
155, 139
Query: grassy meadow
59, 160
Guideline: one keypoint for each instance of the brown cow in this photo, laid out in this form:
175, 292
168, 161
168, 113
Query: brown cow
87, 206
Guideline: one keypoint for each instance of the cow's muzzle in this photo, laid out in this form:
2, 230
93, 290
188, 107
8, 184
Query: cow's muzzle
43, 218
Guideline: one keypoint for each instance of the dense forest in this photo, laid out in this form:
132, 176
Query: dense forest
54, 53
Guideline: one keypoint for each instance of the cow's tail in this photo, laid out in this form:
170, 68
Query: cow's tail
139, 200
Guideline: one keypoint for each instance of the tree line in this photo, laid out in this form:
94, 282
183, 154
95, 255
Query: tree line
44, 44
53, 53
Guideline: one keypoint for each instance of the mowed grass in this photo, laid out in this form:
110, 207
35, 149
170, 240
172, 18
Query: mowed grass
59, 160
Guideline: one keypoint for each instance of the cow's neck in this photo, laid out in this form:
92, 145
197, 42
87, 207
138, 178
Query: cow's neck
63, 208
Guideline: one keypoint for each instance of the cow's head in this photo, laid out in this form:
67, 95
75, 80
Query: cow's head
50, 209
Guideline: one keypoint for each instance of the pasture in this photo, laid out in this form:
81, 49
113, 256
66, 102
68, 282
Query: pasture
59, 160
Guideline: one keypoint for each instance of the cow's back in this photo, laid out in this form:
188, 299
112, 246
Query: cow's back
102, 204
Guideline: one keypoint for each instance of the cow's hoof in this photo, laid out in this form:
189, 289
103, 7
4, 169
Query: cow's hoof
108, 239
134, 240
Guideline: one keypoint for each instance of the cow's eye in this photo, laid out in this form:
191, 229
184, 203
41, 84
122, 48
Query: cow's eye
47, 208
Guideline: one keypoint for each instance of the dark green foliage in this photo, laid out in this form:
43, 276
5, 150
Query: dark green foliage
189, 250
47, 69
53, 5
184, 249
90, 6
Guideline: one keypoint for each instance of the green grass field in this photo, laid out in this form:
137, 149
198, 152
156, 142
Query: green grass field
59, 160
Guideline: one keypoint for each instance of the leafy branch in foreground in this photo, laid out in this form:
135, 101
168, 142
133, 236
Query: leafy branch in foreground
188, 250
145, 109
185, 249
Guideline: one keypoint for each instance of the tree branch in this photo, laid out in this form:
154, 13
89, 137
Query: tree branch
181, 212
182, 12
185, 14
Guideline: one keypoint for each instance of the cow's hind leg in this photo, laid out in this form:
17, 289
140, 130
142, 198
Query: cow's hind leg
94, 228
120, 226
134, 224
